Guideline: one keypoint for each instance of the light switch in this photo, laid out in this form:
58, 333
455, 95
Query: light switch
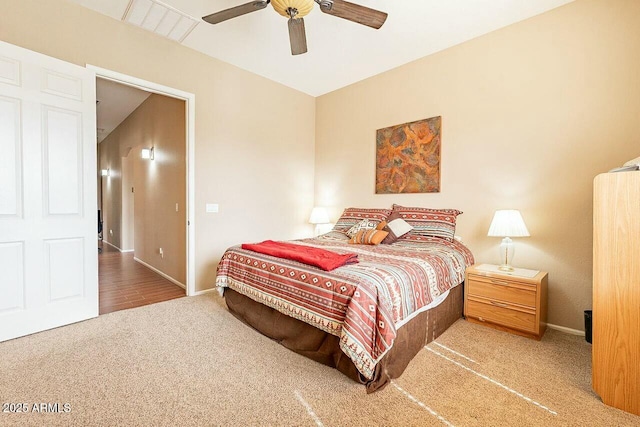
212, 208
176, 207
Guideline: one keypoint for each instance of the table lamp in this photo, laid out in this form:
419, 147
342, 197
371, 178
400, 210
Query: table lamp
319, 215
507, 223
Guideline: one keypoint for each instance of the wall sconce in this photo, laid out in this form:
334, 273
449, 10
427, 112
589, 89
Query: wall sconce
105, 172
147, 153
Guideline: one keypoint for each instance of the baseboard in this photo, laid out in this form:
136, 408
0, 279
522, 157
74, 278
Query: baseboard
206, 291
166, 276
566, 330
112, 245
117, 248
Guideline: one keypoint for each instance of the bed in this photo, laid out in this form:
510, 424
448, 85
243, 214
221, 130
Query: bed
367, 319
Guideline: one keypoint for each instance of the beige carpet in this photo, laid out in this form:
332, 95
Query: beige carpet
189, 362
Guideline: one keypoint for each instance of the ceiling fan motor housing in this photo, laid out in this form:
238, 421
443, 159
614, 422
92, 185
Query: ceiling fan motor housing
302, 6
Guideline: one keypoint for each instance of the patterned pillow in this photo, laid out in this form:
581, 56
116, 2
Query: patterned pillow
368, 237
352, 216
396, 227
429, 222
365, 224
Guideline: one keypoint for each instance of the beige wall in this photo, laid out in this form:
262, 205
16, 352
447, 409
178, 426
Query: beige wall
110, 197
128, 217
148, 219
247, 127
530, 115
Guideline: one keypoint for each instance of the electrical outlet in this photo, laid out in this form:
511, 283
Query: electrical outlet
111, 232
161, 253
176, 207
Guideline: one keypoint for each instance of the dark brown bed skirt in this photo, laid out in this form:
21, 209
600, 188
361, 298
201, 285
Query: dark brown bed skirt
322, 347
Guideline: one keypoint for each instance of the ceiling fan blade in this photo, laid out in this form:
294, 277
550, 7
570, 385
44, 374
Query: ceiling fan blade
354, 12
297, 36
243, 9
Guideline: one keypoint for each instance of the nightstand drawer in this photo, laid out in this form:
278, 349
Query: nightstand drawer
502, 290
502, 314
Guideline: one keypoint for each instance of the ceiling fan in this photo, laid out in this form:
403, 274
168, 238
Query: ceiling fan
295, 10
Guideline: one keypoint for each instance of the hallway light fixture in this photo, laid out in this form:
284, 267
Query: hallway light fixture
147, 153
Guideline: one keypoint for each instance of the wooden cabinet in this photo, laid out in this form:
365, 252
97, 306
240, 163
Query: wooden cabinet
616, 290
510, 302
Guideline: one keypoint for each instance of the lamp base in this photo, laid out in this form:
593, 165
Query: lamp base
507, 250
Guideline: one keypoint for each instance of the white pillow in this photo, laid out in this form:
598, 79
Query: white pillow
399, 227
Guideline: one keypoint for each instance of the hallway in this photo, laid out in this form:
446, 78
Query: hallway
125, 283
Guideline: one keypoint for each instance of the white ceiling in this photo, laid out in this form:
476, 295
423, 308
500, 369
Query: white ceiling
116, 102
340, 52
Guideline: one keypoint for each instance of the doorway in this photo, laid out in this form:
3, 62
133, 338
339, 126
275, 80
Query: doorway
154, 248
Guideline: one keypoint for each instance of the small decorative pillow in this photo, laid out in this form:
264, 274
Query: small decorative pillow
365, 224
368, 237
396, 227
352, 216
430, 222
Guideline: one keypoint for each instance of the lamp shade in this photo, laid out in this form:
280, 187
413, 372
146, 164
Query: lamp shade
319, 215
508, 223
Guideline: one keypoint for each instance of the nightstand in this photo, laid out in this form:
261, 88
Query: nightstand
515, 301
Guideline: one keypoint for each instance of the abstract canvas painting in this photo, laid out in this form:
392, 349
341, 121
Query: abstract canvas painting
408, 157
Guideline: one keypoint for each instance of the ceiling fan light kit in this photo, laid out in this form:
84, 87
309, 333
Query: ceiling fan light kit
303, 7
295, 10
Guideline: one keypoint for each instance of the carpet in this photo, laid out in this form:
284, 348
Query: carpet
189, 362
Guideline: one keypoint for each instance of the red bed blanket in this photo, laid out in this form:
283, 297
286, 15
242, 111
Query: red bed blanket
321, 258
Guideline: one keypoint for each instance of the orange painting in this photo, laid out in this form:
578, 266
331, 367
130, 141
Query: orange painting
408, 157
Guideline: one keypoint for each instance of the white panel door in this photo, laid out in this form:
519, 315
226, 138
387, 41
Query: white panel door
48, 216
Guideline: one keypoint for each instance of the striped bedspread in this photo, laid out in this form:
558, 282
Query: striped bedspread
363, 303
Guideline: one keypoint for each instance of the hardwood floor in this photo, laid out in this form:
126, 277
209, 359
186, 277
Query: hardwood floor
125, 283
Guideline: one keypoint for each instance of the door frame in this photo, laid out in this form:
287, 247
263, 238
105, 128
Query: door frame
190, 111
